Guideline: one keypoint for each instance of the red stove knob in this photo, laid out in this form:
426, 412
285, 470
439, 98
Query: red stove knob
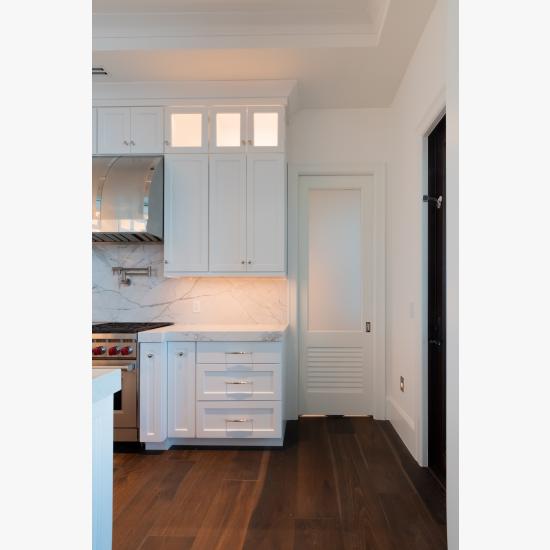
98, 350
126, 350
115, 350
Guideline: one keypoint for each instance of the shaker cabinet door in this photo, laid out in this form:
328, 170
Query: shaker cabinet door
152, 398
181, 389
114, 130
227, 213
147, 130
266, 213
185, 214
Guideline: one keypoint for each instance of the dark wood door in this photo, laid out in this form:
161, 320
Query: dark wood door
437, 324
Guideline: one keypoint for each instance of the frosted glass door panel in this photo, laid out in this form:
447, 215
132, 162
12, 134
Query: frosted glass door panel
335, 256
227, 129
266, 129
186, 130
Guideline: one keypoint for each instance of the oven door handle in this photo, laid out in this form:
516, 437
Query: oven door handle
129, 367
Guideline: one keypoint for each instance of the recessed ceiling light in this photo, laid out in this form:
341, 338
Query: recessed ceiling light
99, 71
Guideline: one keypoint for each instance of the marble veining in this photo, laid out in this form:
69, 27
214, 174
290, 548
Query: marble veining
223, 300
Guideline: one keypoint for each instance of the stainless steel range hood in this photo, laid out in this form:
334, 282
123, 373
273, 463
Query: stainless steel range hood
127, 199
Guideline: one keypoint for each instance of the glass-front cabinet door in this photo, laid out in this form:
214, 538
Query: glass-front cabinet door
266, 129
186, 130
228, 130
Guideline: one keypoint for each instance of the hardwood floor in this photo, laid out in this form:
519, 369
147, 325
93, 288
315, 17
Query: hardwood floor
339, 483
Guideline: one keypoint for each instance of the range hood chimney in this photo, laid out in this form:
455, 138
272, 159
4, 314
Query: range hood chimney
127, 199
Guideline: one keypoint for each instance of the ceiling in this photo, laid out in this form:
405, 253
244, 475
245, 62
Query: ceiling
342, 53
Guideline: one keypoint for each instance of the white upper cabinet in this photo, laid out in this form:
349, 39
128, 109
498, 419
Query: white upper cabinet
114, 128
186, 130
266, 213
228, 130
94, 131
266, 129
129, 130
227, 213
185, 214
147, 130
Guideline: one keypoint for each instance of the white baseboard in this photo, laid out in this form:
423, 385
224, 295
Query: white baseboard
404, 426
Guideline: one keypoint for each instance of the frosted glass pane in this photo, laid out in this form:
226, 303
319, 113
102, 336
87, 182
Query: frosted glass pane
335, 272
186, 129
228, 129
266, 129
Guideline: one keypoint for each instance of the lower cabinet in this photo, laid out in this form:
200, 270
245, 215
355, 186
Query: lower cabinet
152, 393
210, 390
181, 389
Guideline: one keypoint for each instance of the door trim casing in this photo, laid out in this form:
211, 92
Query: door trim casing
378, 172
430, 120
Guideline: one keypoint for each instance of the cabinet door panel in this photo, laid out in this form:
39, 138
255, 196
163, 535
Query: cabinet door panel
147, 130
266, 213
152, 395
114, 130
186, 214
228, 130
227, 213
266, 129
181, 389
94, 131
186, 130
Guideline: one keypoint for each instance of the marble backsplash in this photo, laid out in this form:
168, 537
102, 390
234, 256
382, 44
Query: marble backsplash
223, 300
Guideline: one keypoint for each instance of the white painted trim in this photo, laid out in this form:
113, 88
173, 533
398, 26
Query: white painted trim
428, 122
378, 171
194, 93
402, 422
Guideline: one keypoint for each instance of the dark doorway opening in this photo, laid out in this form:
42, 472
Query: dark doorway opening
437, 317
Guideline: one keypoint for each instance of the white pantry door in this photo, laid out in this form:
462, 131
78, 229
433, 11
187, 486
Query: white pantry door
336, 272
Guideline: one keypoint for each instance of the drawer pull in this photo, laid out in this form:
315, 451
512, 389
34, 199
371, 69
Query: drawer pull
248, 429
238, 353
238, 381
238, 419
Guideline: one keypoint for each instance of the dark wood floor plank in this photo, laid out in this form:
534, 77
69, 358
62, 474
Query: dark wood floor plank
316, 483
271, 526
166, 543
339, 483
322, 534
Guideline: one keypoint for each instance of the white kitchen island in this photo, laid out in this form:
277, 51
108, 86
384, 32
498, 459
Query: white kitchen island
105, 382
212, 385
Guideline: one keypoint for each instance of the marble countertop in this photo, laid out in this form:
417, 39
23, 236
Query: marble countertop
215, 333
105, 382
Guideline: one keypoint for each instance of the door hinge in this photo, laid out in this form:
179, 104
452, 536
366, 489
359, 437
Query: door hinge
367, 326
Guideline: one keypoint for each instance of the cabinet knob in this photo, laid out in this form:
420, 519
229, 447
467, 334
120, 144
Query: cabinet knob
149, 355
249, 262
132, 142
166, 142
181, 353
243, 142
243, 262
126, 143
249, 142
165, 261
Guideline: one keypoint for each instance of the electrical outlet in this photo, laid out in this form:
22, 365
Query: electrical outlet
402, 383
196, 306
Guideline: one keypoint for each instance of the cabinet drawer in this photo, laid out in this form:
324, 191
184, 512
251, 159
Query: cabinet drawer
244, 353
249, 419
221, 382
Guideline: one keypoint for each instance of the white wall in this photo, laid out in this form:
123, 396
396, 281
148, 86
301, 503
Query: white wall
419, 100
338, 136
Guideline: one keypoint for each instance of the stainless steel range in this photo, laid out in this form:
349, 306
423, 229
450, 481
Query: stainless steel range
115, 346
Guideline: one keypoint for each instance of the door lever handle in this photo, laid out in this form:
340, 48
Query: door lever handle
435, 342
438, 201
